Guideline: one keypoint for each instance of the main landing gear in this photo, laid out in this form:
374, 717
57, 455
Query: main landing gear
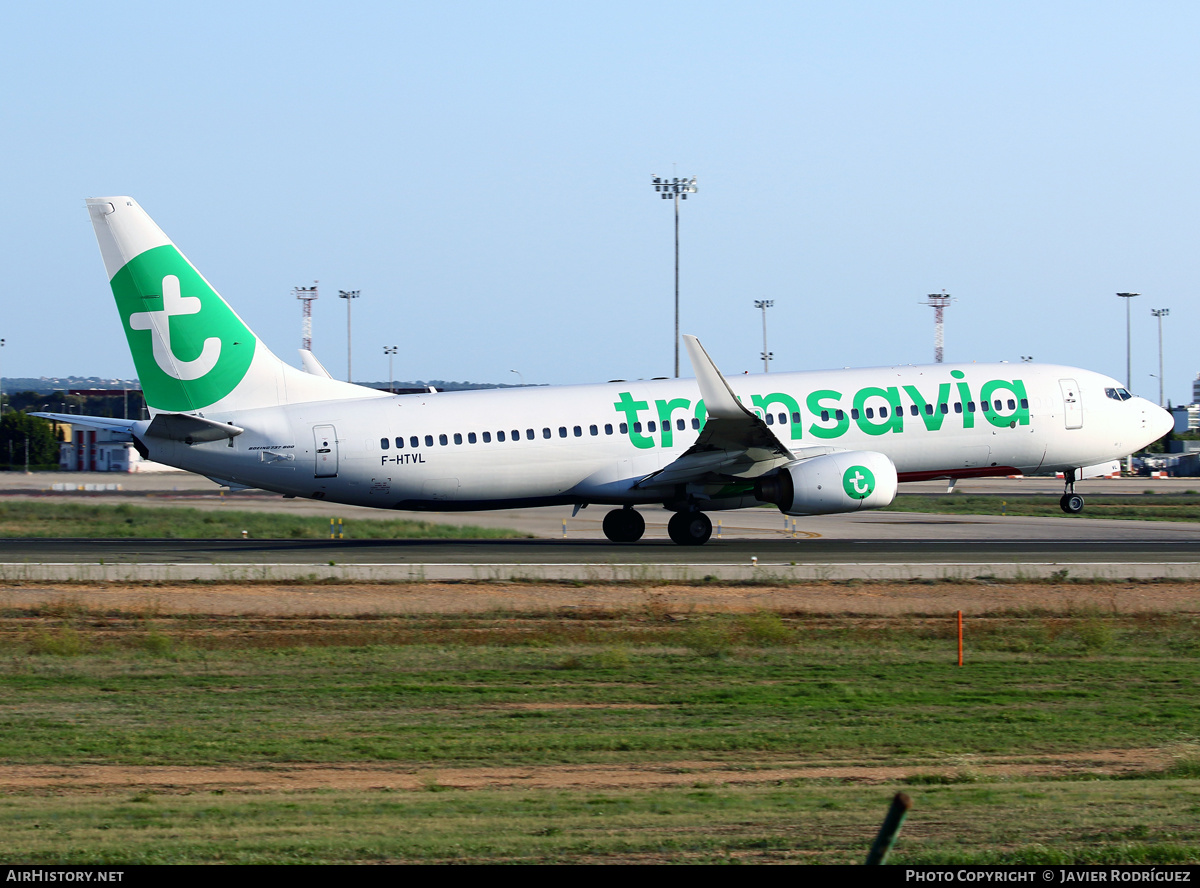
689, 528
624, 525
1071, 502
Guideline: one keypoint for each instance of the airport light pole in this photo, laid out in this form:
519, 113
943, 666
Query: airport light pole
676, 188
391, 350
349, 296
764, 304
1160, 313
1128, 346
1, 386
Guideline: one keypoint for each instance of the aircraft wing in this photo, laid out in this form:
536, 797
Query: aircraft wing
734, 441
92, 422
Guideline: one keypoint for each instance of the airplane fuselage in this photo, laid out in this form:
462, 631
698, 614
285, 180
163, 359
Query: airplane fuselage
594, 443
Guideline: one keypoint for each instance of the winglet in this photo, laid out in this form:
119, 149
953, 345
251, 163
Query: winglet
719, 398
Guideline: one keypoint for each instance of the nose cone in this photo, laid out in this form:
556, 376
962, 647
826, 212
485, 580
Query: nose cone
1159, 420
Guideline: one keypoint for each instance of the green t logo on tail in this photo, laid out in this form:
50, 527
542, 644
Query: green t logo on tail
189, 348
858, 482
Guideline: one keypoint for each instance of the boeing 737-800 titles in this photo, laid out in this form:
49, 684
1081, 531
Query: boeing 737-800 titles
222, 405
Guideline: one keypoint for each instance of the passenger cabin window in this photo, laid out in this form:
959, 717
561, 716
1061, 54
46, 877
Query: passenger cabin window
970, 406
824, 416
945, 408
500, 436
637, 427
443, 440
680, 424
912, 409
651, 426
429, 441
399, 443
457, 438
383, 443
578, 430
770, 419
625, 428
608, 429
958, 406
870, 413
545, 433
593, 430
839, 415
487, 437
562, 431
529, 434
854, 413
414, 441
695, 423
471, 437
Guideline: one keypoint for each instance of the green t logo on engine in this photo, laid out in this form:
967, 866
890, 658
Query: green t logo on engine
858, 482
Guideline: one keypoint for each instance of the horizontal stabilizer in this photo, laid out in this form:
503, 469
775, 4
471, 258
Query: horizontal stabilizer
190, 429
90, 422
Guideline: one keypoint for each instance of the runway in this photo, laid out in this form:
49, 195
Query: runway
747, 544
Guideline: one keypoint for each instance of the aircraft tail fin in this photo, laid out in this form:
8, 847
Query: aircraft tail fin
191, 350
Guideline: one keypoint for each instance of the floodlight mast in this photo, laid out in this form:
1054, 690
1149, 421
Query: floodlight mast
767, 356
1160, 313
349, 296
676, 188
390, 351
1128, 343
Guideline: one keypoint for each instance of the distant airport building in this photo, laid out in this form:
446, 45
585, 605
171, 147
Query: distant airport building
1187, 418
98, 450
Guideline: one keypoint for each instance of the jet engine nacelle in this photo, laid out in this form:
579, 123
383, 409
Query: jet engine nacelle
835, 482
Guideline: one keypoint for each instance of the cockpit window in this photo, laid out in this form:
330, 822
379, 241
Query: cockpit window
1118, 394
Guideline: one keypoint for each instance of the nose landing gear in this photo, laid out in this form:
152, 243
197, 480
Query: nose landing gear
1071, 502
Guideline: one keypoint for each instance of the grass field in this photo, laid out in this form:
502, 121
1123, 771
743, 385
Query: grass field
1148, 506
602, 737
101, 521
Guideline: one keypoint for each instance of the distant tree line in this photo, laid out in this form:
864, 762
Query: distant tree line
28, 441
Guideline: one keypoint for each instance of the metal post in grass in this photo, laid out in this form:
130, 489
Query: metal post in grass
877, 856
960, 638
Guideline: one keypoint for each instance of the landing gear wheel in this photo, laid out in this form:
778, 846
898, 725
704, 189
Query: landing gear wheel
1071, 503
689, 528
624, 526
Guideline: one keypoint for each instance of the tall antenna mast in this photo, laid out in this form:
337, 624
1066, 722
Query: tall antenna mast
939, 301
306, 295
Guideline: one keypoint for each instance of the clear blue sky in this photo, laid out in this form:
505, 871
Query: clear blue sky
481, 172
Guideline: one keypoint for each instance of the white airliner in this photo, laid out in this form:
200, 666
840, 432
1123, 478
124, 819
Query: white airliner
224, 406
